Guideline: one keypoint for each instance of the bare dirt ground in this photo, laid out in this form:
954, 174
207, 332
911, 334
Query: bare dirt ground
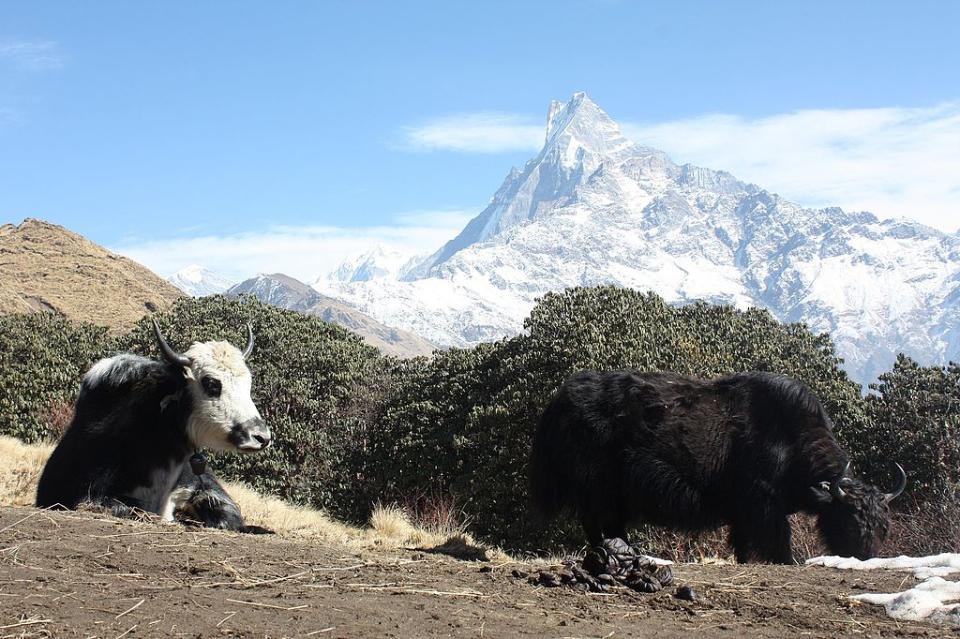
85, 575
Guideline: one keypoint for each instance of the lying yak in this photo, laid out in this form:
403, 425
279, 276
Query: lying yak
137, 422
746, 450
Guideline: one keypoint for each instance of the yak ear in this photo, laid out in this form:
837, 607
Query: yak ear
821, 493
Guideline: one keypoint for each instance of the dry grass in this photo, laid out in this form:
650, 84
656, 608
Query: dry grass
48, 268
390, 526
20, 468
924, 529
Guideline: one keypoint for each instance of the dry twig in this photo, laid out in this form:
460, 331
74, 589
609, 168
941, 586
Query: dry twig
266, 605
131, 609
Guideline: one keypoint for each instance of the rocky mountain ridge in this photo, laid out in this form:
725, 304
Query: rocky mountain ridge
595, 208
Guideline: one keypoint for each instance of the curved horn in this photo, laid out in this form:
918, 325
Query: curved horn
835, 489
900, 485
169, 354
249, 348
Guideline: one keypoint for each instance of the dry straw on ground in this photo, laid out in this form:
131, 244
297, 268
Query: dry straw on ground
390, 527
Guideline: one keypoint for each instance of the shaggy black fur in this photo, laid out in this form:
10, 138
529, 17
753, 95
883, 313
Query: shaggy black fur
203, 501
128, 429
747, 450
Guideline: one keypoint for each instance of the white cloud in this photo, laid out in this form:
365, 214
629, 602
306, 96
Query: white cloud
475, 133
304, 252
894, 162
35, 55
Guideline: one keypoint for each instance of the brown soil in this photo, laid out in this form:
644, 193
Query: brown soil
45, 267
82, 574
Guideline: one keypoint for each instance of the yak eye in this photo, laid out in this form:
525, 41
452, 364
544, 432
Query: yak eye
211, 386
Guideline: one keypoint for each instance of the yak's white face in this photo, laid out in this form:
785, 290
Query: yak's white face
223, 416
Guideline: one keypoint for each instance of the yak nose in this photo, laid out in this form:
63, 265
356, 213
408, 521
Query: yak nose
252, 435
263, 438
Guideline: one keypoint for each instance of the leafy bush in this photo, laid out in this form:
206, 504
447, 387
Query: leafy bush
42, 358
463, 422
914, 419
353, 428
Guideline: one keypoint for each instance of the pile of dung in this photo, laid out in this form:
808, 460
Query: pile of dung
613, 563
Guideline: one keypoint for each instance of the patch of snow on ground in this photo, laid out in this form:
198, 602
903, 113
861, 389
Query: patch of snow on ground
934, 599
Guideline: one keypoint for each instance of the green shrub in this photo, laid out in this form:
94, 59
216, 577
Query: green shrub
353, 427
317, 385
463, 423
42, 359
915, 420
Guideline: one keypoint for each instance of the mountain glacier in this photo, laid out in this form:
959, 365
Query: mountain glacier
595, 208
198, 281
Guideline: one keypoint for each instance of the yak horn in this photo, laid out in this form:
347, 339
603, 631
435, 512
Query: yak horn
900, 485
169, 354
835, 489
249, 348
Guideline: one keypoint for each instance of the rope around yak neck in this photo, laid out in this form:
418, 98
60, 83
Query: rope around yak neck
198, 464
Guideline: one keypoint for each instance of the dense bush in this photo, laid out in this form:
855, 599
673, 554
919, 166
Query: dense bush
915, 420
463, 423
353, 427
315, 383
42, 358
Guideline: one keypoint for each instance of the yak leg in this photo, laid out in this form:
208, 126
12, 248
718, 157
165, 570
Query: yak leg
592, 529
616, 528
620, 532
741, 538
762, 532
123, 507
775, 540
770, 534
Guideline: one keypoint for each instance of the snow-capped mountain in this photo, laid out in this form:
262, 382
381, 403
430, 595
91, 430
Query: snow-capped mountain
595, 208
292, 294
380, 262
198, 281
277, 289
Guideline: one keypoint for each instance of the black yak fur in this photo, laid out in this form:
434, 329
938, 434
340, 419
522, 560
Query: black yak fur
621, 448
202, 501
128, 429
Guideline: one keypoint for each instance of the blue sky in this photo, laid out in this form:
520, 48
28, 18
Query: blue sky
142, 124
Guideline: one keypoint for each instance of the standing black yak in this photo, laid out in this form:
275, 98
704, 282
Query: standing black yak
747, 450
136, 423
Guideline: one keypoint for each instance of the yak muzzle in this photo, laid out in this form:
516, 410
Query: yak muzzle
251, 436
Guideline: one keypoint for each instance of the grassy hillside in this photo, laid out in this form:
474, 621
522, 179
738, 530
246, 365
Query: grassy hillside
45, 267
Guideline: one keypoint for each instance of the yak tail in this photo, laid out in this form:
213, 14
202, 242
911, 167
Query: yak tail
545, 495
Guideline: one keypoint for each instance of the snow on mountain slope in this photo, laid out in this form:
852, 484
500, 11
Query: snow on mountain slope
379, 262
594, 208
277, 289
286, 292
198, 281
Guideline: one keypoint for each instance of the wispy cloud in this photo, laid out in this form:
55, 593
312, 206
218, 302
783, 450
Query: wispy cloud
474, 133
8, 116
304, 252
894, 162
32, 55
